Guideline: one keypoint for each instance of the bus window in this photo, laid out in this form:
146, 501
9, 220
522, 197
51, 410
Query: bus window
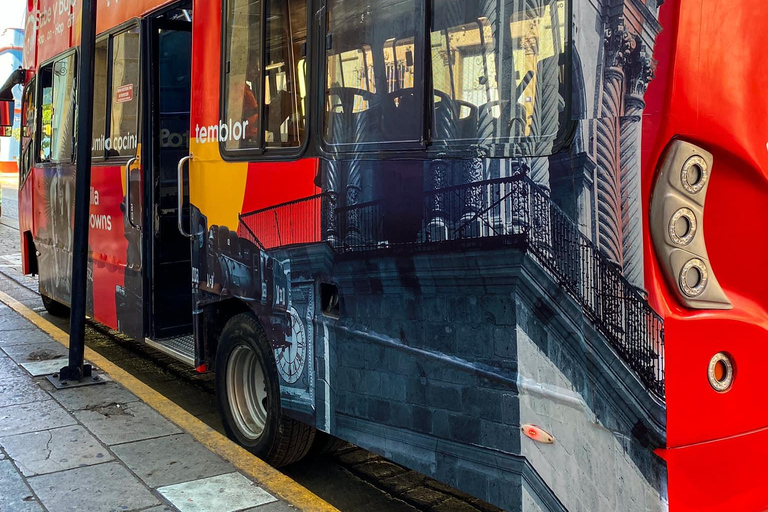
281, 127
538, 43
400, 64
352, 69
124, 112
100, 94
243, 74
375, 58
496, 84
57, 110
29, 128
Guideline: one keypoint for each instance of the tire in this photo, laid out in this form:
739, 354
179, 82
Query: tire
54, 307
251, 417
326, 444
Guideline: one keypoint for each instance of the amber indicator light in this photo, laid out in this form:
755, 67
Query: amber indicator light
538, 434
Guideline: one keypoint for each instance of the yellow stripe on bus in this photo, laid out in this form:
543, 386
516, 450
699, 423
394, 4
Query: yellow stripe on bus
217, 187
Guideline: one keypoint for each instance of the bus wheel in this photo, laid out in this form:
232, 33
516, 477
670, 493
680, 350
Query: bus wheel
248, 395
326, 444
54, 307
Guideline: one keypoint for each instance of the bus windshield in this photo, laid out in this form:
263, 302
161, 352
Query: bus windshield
497, 76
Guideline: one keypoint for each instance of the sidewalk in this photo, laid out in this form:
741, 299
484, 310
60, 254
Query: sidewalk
100, 448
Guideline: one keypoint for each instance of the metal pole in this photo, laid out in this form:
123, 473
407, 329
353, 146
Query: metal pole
76, 370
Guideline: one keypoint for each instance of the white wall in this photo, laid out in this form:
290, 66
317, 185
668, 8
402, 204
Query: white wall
12, 13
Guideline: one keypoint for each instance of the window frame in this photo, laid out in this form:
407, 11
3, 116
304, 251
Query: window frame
39, 109
264, 152
99, 39
385, 149
30, 87
138, 90
438, 148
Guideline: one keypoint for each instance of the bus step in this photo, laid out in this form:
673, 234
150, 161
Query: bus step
178, 347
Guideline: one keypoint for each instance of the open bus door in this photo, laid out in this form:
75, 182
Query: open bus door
168, 68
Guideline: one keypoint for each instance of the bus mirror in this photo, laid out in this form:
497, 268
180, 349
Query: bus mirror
6, 118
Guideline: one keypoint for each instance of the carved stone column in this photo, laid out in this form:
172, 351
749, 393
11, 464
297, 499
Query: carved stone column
331, 186
639, 72
618, 45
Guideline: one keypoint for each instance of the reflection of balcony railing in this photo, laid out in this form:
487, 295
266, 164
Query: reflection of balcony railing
513, 211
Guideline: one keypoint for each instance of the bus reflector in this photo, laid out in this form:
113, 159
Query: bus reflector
721, 372
538, 434
202, 368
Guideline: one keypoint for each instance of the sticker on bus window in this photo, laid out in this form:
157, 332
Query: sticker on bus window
124, 93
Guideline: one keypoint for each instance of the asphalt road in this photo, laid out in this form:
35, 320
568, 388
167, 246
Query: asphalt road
352, 479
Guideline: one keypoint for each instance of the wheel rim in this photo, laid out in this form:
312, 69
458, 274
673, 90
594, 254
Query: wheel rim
247, 392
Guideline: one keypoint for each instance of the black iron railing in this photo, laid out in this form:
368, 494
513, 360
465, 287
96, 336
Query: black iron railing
515, 210
616, 307
521, 212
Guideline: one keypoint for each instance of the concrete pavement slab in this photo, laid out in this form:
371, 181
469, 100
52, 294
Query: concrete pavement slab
161, 508
23, 337
223, 493
58, 449
33, 417
9, 369
20, 390
15, 496
10, 322
171, 460
92, 397
116, 423
105, 488
40, 368
36, 352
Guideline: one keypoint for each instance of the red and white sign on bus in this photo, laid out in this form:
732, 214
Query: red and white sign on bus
124, 93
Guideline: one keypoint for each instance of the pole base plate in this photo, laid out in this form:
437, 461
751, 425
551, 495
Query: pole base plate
62, 383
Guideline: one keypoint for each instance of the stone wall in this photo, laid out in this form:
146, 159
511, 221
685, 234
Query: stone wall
438, 359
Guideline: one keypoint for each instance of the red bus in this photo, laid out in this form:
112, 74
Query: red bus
466, 235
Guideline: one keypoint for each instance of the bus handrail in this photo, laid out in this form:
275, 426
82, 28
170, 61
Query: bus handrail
128, 215
180, 210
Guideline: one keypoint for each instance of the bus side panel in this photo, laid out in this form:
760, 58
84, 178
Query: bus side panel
27, 225
114, 266
54, 199
54, 25
705, 95
115, 282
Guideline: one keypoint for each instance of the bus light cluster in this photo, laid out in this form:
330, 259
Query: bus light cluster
677, 213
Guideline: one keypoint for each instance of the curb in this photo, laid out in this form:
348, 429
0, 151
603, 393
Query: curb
271, 479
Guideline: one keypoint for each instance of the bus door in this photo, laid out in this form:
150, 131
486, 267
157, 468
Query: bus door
169, 42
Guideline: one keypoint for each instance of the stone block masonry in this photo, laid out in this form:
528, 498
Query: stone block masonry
439, 374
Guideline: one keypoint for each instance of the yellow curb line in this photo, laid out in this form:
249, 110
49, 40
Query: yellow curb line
272, 480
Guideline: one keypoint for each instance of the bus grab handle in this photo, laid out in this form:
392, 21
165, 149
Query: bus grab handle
180, 214
128, 212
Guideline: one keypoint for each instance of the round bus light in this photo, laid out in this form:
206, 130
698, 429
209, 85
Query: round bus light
538, 434
682, 227
694, 277
694, 175
720, 372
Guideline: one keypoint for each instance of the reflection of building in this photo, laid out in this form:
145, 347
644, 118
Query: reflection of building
11, 43
440, 268
480, 292
598, 183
